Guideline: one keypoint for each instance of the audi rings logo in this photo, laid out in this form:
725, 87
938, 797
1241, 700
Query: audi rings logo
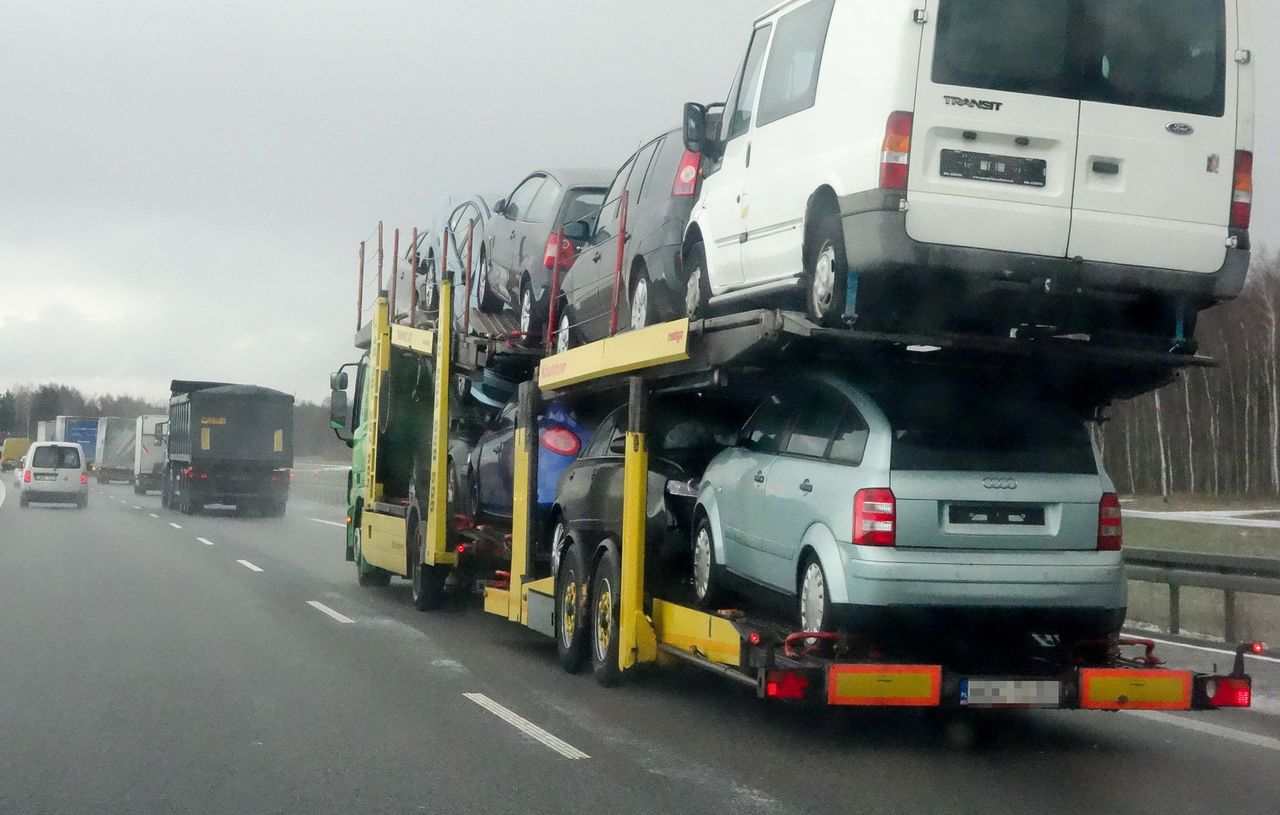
1000, 483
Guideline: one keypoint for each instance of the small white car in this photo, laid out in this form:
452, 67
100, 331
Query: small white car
54, 473
1082, 165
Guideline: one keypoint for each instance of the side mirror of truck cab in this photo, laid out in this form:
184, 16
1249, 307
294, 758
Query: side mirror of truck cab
695, 127
340, 416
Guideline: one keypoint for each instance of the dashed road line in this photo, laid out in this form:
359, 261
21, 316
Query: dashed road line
328, 523
175, 526
205, 541
249, 565
1240, 736
527, 727
323, 609
153, 515
137, 507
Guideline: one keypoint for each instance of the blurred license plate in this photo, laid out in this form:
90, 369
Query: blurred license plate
1010, 692
996, 515
1027, 172
46, 476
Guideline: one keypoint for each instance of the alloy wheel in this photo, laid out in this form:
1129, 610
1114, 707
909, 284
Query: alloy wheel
562, 334
640, 304
813, 598
702, 563
823, 286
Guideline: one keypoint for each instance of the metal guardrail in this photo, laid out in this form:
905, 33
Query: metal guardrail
1230, 574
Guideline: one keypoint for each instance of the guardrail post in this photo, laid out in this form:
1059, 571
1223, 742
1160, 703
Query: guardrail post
1229, 615
1175, 610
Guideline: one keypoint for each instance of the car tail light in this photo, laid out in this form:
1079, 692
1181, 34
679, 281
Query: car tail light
558, 246
561, 441
1242, 191
686, 183
1110, 533
1230, 691
26, 476
84, 478
895, 153
786, 685
874, 518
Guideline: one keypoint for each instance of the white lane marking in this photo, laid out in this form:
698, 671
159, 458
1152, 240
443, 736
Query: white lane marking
248, 565
153, 515
1248, 655
527, 727
137, 507
205, 541
329, 523
322, 608
1251, 739
175, 526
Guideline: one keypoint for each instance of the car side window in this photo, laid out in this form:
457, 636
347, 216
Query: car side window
791, 77
740, 121
521, 199
764, 431
850, 442
635, 184
598, 447
544, 206
607, 222
815, 424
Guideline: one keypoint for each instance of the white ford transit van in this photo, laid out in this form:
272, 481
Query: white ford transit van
1080, 165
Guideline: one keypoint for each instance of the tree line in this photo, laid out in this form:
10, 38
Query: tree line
1212, 431
24, 406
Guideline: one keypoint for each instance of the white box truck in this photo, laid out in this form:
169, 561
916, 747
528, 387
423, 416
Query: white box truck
113, 456
149, 453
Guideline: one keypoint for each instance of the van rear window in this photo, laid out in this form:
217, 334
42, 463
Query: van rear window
56, 458
1160, 54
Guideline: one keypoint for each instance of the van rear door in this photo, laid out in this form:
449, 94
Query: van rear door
1157, 133
993, 149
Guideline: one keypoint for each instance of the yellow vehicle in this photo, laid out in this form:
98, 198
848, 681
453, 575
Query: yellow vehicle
630, 623
12, 451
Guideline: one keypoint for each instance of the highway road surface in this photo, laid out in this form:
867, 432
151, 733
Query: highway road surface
152, 662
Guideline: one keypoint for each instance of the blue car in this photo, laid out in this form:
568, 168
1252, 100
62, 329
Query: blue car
490, 470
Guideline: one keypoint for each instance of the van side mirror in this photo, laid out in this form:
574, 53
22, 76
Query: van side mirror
578, 231
695, 127
338, 381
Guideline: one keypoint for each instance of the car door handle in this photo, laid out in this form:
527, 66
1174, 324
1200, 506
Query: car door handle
497, 448
760, 477
1107, 167
806, 486
513, 234
748, 155
596, 257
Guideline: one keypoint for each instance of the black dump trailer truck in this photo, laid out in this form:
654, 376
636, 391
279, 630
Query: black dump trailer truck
228, 445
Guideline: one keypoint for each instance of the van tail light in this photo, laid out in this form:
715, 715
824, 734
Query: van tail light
895, 153
874, 518
84, 479
26, 476
686, 183
1242, 191
560, 441
1110, 534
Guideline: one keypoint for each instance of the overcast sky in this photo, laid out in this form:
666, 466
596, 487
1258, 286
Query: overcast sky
184, 184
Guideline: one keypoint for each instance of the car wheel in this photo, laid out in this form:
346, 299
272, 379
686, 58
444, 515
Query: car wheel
828, 274
815, 600
530, 320
367, 576
427, 581
487, 299
429, 290
697, 285
641, 305
564, 332
708, 576
571, 621
605, 604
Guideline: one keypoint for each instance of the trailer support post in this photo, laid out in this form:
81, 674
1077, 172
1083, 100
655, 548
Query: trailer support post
525, 497
637, 642
436, 553
380, 363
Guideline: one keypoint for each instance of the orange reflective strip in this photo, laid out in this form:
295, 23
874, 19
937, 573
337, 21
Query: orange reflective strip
1130, 689
887, 685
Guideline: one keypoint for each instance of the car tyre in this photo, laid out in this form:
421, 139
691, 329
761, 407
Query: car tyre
828, 274
23, 502
571, 619
564, 332
604, 608
708, 575
814, 597
487, 299
429, 291
530, 320
697, 283
427, 582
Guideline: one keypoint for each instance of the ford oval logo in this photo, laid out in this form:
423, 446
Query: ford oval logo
1000, 483
1180, 128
